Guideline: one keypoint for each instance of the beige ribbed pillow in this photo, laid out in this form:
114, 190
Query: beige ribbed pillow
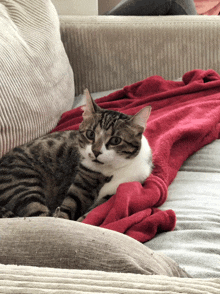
59, 243
36, 79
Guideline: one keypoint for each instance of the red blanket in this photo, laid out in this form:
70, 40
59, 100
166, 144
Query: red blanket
185, 116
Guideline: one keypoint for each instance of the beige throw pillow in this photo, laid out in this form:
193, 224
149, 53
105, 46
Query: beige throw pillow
59, 243
36, 79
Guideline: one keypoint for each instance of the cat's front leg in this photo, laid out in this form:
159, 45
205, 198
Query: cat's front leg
82, 194
97, 203
67, 209
60, 214
81, 218
5, 213
75, 203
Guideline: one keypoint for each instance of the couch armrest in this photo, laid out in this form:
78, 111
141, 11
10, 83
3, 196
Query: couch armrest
27, 279
109, 52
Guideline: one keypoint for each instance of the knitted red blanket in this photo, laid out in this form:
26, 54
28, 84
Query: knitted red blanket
185, 116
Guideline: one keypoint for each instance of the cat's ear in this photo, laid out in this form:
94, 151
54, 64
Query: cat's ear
142, 116
90, 108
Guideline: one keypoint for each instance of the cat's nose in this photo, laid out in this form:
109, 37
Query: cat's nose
96, 153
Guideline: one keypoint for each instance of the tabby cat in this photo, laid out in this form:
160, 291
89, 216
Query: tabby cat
66, 174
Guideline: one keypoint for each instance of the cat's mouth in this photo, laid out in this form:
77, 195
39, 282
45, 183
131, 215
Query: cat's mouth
97, 161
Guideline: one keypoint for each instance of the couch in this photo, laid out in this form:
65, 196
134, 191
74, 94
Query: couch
48, 255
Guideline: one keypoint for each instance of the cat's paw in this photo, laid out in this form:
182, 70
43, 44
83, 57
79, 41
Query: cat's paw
60, 213
5, 213
81, 218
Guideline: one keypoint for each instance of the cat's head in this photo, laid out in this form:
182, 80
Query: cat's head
110, 138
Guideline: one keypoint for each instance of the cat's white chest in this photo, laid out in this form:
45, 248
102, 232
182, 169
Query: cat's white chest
137, 169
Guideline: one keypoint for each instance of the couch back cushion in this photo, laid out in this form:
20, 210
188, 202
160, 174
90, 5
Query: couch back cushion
36, 79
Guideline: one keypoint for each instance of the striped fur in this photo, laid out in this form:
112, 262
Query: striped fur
66, 174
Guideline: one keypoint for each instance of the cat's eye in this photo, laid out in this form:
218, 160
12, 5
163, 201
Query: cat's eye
90, 134
115, 141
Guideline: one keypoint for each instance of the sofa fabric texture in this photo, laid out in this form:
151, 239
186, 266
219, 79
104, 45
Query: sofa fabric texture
36, 84
110, 52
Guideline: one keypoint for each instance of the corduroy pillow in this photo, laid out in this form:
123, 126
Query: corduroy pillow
59, 243
36, 79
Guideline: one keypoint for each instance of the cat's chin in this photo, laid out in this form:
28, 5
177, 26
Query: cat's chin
106, 168
97, 161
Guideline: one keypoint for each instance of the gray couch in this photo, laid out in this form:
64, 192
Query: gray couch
46, 255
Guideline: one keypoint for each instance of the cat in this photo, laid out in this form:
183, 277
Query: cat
67, 174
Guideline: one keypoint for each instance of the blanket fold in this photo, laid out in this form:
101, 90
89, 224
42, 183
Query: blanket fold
185, 116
